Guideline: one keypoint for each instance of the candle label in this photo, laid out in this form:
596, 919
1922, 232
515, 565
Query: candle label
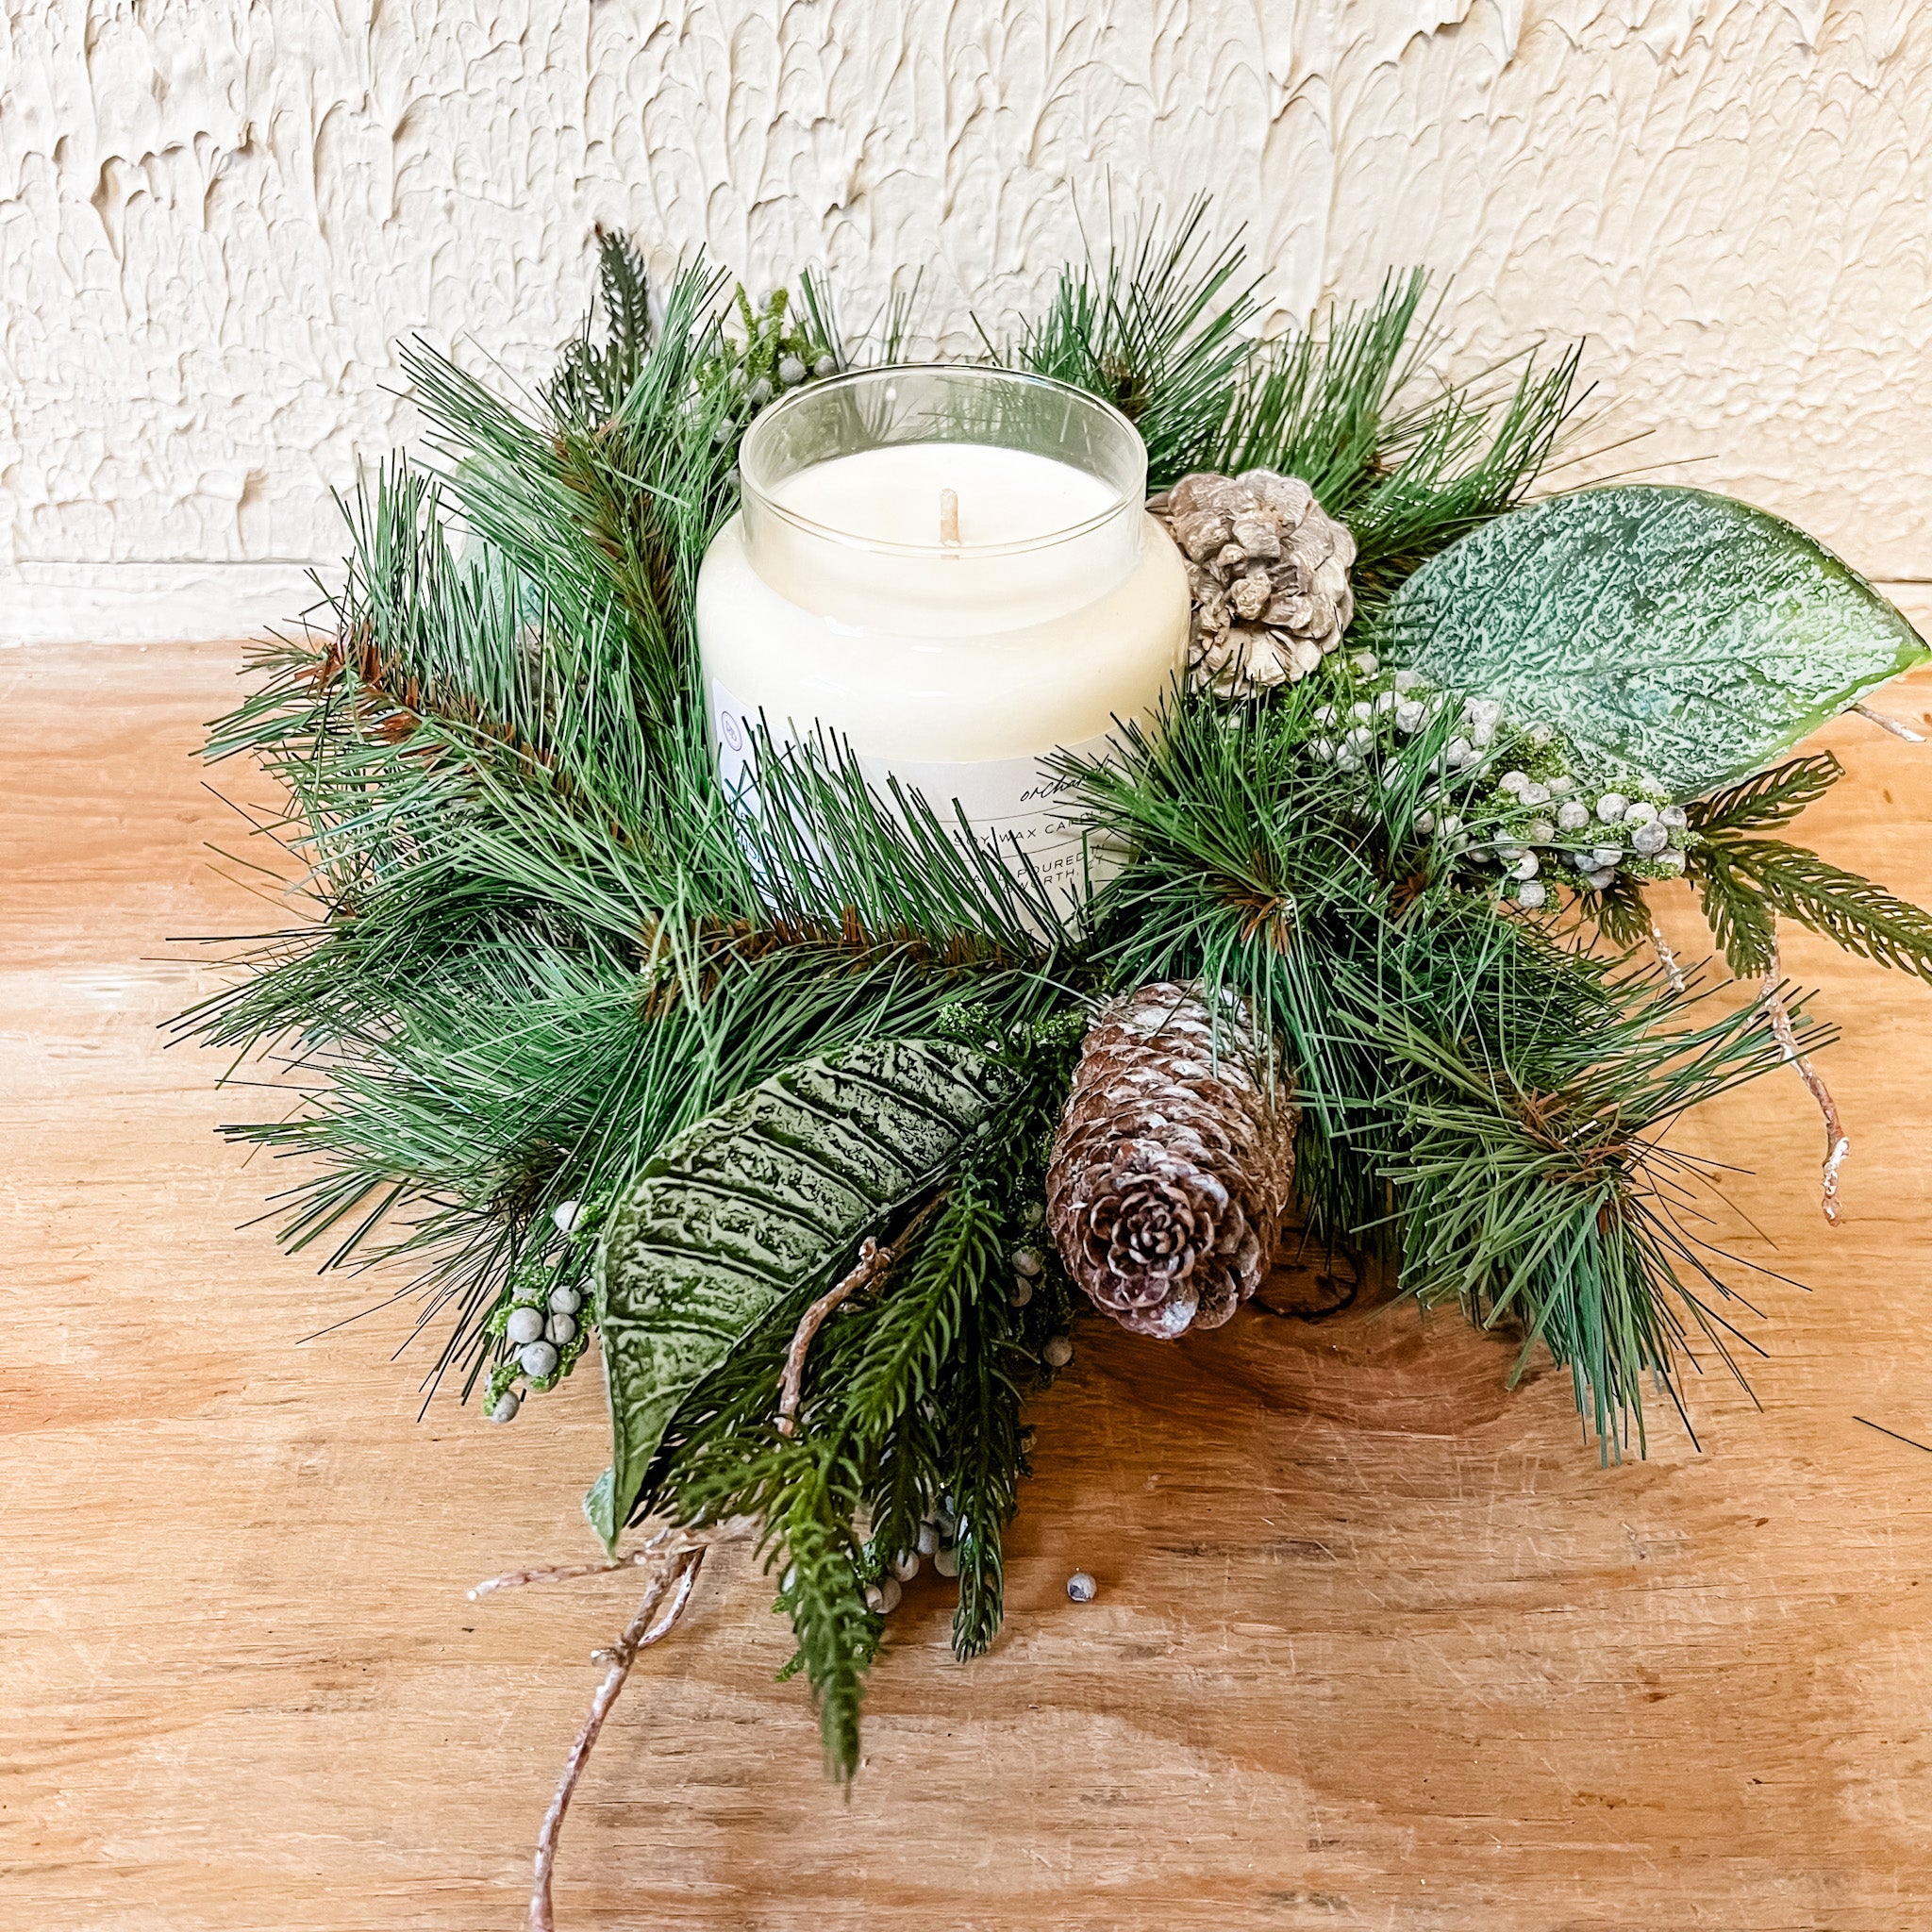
1021, 801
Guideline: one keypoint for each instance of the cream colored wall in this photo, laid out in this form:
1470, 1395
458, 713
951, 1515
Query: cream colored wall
216, 219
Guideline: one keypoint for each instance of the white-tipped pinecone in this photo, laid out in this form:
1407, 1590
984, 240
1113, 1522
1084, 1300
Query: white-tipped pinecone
1171, 1166
1269, 571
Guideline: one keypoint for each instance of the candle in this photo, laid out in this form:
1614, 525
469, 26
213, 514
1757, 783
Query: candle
950, 569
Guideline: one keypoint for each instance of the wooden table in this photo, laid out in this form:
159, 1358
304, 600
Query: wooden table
1376, 1643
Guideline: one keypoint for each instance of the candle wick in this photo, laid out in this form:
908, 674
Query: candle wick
949, 516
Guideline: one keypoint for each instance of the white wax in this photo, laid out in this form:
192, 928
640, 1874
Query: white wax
893, 496
954, 672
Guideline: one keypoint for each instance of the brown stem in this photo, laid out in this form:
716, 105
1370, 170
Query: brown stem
678, 1579
872, 1261
1835, 1145
949, 517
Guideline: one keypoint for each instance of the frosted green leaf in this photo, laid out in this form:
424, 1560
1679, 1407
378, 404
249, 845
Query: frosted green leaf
766, 1197
1674, 637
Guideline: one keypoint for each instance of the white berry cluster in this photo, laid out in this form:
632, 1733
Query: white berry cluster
544, 1328
936, 1543
1517, 805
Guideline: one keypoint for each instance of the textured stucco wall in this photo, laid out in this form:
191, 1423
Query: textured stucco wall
217, 217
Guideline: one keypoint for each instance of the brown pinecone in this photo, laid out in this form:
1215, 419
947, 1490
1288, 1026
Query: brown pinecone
1172, 1163
1268, 569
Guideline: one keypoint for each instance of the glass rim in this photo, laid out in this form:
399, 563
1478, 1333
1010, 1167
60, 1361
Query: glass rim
884, 371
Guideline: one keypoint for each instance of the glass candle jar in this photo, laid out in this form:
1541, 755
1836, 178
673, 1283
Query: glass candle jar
950, 569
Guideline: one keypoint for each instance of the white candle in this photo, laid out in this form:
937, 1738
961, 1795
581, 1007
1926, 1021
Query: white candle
951, 570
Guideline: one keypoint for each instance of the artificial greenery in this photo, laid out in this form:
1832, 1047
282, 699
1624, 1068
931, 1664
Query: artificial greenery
543, 979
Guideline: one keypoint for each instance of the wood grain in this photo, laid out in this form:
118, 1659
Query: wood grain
1376, 1643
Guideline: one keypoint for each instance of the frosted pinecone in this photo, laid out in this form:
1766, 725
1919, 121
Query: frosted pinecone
1172, 1164
1268, 570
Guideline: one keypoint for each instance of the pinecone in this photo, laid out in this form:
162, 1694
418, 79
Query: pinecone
1171, 1170
1269, 573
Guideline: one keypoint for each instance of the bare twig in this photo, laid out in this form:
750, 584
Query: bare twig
1666, 958
676, 1578
661, 1547
872, 1261
1891, 725
1836, 1144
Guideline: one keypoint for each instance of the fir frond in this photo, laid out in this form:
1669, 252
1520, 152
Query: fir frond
1771, 798
1788, 882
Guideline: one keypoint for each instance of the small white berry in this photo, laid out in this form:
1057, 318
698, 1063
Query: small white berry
565, 1300
1534, 793
1057, 1352
1410, 716
1367, 663
947, 1562
791, 370
1649, 838
1027, 1262
1528, 866
1675, 817
1458, 751
1451, 825
906, 1565
1639, 813
1602, 856
1598, 879
1407, 680
826, 365
1323, 748
1021, 1293
524, 1325
1611, 807
1362, 709
1482, 734
537, 1360
1348, 759
1323, 714
1540, 734
507, 1405
929, 1538
1670, 862
569, 1216
1572, 815
1426, 823
1512, 781
760, 392
1386, 702
1530, 894
1081, 1587
1538, 831
1362, 738
560, 1329
1562, 785
882, 1598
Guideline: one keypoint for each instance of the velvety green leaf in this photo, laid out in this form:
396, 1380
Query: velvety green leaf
767, 1196
1676, 637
